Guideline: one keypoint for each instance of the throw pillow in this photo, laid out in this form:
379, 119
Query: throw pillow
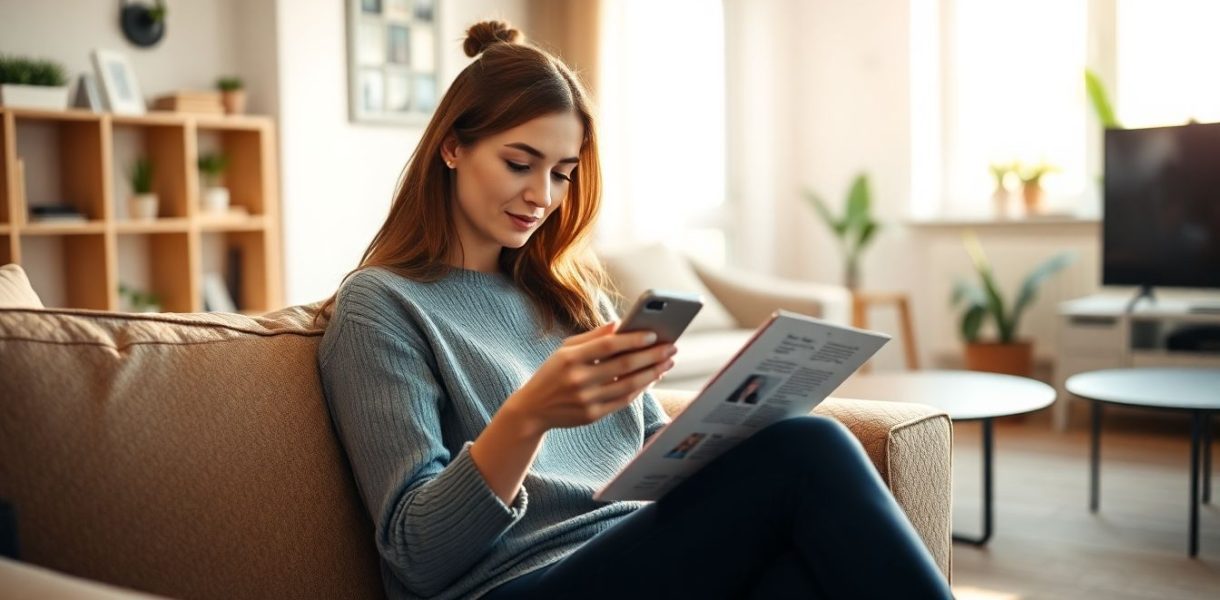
657, 266
15, 290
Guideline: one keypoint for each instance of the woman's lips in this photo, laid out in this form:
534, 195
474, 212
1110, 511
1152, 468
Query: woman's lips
523, 223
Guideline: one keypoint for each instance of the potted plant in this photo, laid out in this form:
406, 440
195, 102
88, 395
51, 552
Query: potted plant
1002, 173
232, 94
1007, 353
854, 230
143, 202
32, 83
139, 301
215, 196
1031, 184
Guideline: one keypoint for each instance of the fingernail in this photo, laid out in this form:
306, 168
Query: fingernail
649, 338
671, 351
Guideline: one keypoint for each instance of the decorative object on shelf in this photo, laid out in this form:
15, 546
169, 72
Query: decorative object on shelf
1003, 174
1031, 185
56, 213
216, 296
188, 101
143, 203
32, 83
142, 24
215, 196
392, 60
134, 300
232, 95
120, 89
854, 230
1006, 354
87, 95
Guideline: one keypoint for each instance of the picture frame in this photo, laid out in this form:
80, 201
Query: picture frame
216, 295
120, 90
393, 61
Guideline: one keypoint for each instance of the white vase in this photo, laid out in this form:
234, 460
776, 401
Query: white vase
216, 200
142, 207
16, 95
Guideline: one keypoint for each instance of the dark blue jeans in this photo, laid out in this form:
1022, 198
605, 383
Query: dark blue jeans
796, 511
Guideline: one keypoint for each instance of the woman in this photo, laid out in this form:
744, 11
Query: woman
468, 371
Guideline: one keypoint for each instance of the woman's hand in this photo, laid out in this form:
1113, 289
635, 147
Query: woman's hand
590, 376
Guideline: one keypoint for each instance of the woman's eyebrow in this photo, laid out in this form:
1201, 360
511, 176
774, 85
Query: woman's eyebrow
528, 149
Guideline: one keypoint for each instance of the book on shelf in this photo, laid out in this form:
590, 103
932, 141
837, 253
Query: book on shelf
186, 101
56, 213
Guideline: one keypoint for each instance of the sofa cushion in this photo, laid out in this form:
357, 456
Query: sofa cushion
15, 289
185, 455
704, 353
637, 270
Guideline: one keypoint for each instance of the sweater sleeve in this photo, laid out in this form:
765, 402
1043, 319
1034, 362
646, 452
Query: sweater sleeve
434, 514
655, 417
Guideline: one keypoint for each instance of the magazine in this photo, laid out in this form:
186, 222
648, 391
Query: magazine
789, 366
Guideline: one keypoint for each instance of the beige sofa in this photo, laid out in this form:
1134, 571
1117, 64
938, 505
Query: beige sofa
736, 302
191, 456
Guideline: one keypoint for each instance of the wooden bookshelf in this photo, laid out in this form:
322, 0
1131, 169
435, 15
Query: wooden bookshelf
81, 159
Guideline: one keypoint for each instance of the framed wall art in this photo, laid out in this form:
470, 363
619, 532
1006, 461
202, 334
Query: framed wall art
392, 61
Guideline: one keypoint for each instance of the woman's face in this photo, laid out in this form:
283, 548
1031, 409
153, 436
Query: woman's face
509, 183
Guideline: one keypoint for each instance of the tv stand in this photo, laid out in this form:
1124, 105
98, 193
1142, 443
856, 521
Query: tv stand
1144, 292
1113, 332
1205, 308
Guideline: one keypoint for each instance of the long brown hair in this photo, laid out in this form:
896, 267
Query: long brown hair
509, 83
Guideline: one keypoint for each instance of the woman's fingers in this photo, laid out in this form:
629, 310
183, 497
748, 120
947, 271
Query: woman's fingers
599, 349
631, 362
629, 385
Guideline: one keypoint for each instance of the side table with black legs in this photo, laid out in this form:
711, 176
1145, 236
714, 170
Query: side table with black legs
965, 396
1193, 390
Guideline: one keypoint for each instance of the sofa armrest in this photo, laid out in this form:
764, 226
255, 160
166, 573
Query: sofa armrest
909, 444
21, 581
751, 298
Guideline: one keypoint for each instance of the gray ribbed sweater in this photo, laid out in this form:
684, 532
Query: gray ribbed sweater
412, 373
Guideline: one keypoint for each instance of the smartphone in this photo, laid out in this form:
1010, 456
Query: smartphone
665, 313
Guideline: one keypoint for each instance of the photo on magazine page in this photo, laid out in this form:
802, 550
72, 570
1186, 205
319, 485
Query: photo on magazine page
753, 389
685, 447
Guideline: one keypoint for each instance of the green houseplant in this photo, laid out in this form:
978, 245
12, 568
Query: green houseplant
232, 94
32, 83
854, 230
139, 301
983, 300
1031, 184
143, 202
215, 196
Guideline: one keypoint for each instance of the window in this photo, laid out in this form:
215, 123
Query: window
662, 95
1009, 77
1166, 52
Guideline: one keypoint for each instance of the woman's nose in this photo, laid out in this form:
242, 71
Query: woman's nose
538, 192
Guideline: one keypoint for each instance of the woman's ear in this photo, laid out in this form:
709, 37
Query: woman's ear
449, 150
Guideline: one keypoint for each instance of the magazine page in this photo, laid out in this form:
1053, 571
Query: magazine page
790, 365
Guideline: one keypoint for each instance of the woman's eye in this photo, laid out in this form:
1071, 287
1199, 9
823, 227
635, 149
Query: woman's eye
516, 166
561, 177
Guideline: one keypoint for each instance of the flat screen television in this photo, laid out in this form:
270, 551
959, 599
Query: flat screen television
1161, 225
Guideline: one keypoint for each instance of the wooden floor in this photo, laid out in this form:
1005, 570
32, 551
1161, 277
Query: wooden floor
1046, 542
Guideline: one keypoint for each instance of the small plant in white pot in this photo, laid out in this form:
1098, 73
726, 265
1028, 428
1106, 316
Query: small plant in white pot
215, 196
32, 83
143, 203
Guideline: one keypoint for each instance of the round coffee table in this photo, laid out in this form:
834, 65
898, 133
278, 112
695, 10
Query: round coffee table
1194, 390
965, 396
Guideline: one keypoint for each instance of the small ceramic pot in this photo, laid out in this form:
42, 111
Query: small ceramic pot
216, 200
142, 207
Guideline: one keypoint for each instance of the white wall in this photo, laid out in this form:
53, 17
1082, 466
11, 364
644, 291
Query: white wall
197, 47
338, 177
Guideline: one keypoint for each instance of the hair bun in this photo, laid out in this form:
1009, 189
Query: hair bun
485, 33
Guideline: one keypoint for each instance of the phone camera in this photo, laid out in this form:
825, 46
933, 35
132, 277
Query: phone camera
656, 305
